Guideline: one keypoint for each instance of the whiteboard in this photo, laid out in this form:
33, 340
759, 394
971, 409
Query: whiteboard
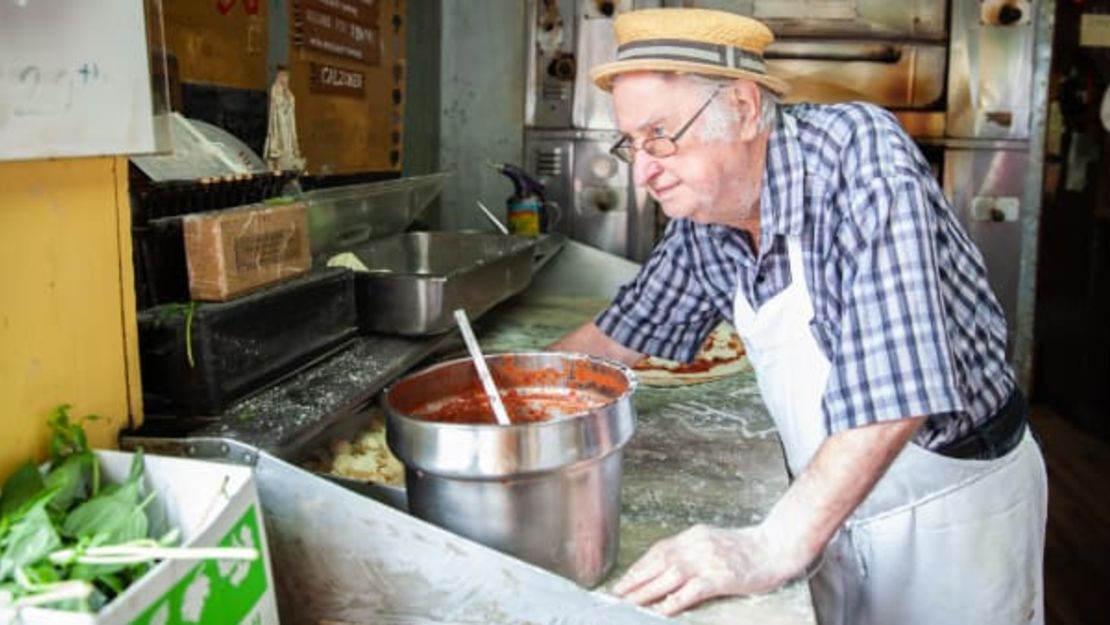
74, 79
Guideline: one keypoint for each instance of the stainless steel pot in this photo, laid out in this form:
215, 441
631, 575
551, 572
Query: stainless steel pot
545, 492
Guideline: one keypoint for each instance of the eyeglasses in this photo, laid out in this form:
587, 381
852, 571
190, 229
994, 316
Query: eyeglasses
658, 147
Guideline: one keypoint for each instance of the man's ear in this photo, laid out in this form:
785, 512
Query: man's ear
746, 97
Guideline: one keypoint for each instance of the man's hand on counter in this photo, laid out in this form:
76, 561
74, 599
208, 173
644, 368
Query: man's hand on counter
589, 339
705, 562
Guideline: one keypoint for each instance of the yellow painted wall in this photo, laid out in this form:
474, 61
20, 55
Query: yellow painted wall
67, 307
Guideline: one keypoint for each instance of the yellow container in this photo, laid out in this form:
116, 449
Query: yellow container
524, 216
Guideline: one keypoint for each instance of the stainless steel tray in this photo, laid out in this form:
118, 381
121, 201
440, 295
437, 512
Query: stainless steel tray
417, 279
340, 218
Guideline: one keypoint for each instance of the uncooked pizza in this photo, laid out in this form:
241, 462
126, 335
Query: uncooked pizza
720, 356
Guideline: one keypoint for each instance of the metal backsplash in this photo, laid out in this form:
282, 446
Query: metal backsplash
990, 69
565, 39
593, 108
551, 73
598, 204
986, 189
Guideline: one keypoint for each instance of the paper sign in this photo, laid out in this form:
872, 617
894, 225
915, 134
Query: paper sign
74, 79
325, 78
1094, 30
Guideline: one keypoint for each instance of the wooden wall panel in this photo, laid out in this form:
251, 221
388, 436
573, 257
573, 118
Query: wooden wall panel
220, 42
344, 133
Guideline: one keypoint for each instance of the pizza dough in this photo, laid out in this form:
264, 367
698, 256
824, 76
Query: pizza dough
365, 457
720, 356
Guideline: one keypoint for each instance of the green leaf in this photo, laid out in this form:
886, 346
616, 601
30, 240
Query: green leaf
70, 479
30, 540
43, 573
112, 581
94, 572
10, 520
21, 487
136, 472
68, 438
114, 513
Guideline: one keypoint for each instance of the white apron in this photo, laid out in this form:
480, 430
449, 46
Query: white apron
939, 540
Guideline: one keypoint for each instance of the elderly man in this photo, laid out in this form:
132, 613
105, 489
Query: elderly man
918, 494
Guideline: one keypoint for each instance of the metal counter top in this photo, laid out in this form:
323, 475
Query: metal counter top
701, 454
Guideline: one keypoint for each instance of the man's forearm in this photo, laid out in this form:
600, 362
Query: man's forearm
836, 481
589, 339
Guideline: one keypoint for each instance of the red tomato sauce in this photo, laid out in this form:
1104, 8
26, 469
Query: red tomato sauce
523, 407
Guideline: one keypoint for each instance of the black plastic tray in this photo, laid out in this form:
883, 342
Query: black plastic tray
242, 346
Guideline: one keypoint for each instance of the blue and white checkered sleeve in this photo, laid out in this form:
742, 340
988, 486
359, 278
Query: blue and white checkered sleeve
664, 311
893, 359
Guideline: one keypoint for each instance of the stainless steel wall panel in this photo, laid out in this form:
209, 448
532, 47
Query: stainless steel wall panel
601, 207
990, 71
974, 180
548, 155
598, 202
559, 93
593, 108
548, 96
480, 87
1034, 189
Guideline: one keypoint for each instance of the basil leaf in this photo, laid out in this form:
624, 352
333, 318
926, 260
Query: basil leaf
43, 573
30, 540
112, 513
21, 486
70, 479
112, 581
68, 438
136, 472
94, 572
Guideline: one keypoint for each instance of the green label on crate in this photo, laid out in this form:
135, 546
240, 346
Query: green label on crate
216, 592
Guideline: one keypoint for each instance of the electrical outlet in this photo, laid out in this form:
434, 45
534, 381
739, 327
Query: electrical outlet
995, 208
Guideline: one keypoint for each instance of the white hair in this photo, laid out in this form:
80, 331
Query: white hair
720, 118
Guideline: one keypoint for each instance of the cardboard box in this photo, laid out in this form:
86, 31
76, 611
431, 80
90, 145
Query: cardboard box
232, 252
211, 504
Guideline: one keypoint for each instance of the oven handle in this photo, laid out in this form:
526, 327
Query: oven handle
884, 53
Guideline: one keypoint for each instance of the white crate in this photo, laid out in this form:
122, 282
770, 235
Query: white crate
212, 504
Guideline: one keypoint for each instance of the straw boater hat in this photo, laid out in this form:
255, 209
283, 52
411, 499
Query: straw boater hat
696, 41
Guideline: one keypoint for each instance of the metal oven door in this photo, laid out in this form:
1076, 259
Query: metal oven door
916, 20
893, 54
890, 74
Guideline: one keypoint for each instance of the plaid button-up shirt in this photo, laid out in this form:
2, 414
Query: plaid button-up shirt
901, 302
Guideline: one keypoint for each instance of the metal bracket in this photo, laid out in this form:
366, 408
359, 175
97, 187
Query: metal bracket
221, 449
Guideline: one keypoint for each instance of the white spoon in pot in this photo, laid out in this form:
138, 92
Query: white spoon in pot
480, 366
